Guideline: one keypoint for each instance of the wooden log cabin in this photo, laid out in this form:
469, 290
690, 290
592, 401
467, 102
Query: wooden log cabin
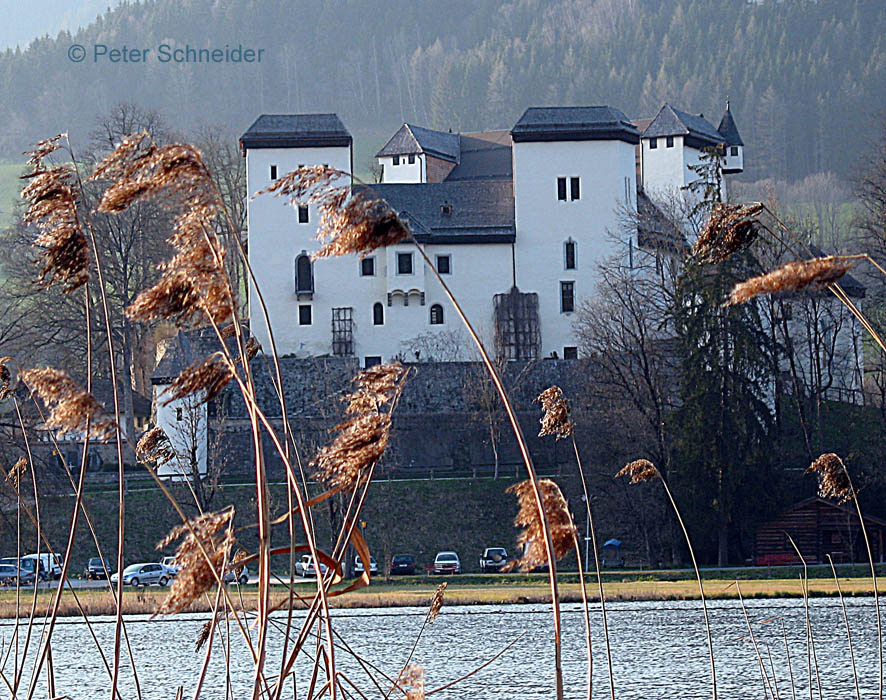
819, 528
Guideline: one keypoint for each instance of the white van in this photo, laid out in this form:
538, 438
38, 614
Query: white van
51, 564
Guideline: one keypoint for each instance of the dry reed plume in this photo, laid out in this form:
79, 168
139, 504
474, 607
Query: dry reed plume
436, 602
14, 477
351, 221
795, 276
193, 282
532, 537
833, 479
71, 409
206, 379
52, 208
154, 446
363, 437
412, 680
729, 229
5, 378
639, 470
206, 629
197, 573
556, 420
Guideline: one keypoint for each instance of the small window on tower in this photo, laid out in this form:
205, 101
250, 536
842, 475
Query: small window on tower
733, 150
396, 160
404, 263
669, 142
574, 188
570, 352
302, 215
304, 315
653, 144
273, 172
371, 361
444, 264
561, 189
569, 255
367, 267
411, 158
567, 297
378, 314
436, 315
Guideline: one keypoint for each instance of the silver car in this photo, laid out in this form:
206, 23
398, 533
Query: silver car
143, 575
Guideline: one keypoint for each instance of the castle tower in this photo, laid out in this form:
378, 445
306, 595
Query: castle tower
297, 291
734, 162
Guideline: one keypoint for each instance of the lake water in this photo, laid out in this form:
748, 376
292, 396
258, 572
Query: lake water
659, 651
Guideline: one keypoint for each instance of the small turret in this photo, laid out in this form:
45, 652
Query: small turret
734, 162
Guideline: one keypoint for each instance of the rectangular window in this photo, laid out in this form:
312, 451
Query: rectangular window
411, 158
273, 172
561, 189
304, 315
574, 188
669, 142
396, 160
653, 144
570, 352
371, 361
733, 150
444, 264
343, 331
569, 254
178, 413
567, 297
404, 263
302, 215
367, 267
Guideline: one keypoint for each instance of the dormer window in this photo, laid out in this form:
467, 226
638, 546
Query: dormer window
396, 160
653, 144
446, 210
304, 274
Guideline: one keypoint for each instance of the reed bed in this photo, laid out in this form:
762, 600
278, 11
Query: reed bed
195, 290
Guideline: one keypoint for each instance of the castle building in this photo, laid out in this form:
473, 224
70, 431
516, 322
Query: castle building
515, 221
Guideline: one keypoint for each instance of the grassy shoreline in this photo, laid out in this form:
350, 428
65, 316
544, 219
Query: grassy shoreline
417, 593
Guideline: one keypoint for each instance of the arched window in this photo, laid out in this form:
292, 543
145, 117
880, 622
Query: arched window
378, 314
436, 315
304, 274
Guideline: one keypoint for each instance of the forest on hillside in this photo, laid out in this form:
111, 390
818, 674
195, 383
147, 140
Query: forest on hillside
806, 79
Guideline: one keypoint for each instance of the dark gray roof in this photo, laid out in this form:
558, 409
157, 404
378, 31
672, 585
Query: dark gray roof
670, 121
101, 390
574, 124
188, 347
416, 139
484, 155
295, 130
728, 129
482, 211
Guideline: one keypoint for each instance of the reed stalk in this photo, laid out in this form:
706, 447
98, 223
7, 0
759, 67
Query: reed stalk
848, 630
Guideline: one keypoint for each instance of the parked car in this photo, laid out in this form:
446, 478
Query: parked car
305, 566
50, 563
10, 574
358, 565
447, 563
242, 576
171, 567
96, 568
29, 565
494, 559
403, 564
143, 575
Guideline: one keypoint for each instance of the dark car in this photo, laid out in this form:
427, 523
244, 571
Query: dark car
10, 574
95, 569
403, 564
